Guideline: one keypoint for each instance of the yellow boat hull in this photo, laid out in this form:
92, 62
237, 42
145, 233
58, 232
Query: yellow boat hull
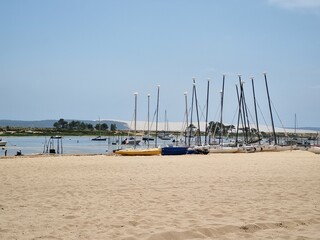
139, 152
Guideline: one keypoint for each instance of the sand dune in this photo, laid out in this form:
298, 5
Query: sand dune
227, 196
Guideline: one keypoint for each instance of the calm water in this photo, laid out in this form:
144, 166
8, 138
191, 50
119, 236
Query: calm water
70, 144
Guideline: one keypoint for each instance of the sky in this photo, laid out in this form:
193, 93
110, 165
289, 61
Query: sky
85, 60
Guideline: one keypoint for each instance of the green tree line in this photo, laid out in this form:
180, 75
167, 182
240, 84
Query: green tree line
77, 125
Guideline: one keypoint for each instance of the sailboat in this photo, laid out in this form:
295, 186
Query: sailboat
99, 138
3, 143
221, 147
147, 138
164, 135
140, 151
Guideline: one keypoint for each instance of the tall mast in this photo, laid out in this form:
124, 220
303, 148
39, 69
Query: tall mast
255, 108
242, 104
239, 113
221, 110
148, 137
190, 128
157, 117
198, 120
135, 118
186, 113
247, 124
207, 108
295, 124
269, 101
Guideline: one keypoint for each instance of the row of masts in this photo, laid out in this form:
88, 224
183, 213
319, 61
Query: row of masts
243, 117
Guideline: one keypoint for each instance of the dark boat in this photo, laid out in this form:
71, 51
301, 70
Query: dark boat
174, 150
147, 138
99, 138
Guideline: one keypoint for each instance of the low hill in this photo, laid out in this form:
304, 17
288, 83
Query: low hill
49, 123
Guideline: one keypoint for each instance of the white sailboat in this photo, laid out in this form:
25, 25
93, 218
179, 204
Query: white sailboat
3, 143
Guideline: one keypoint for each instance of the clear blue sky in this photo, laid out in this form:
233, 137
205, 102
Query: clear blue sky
84, 59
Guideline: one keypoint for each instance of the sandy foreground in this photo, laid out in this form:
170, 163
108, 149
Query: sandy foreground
215, 196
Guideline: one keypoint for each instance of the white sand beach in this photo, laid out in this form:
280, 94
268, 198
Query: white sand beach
215, 196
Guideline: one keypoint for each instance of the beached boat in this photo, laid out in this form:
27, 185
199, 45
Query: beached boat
139, 152
3, 143
314, 149
198, 150
246, 149
222, 149
174, 150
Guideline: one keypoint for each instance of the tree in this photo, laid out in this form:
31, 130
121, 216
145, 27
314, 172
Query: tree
113, 127
61, 124
90, 126
104, 126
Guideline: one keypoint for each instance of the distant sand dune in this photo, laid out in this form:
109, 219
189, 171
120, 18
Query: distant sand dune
217, 196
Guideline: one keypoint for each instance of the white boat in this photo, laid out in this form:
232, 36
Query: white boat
314, 149
164, 136
272, 148
222, 149
3, 143
246, 149
131, 141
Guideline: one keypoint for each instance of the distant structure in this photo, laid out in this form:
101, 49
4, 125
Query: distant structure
53, 146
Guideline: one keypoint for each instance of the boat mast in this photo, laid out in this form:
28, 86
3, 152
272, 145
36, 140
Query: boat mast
274, 132
239, 114
135, 118
157, 116
222, 94
255, 108
242, 104
186, 113
197, 111
295, 124
207, 107
198, 120
190, 127
246, 116
148, 120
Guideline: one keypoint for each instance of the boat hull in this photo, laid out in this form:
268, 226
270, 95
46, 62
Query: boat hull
174, 150
99, 139
220, 149
139, 152
315, 150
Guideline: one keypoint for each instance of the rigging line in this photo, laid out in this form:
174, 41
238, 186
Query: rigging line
235, 114
202, 116
154, 115
217, 112
132, 120
265, 122
279, 119
252, 119
184, 122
